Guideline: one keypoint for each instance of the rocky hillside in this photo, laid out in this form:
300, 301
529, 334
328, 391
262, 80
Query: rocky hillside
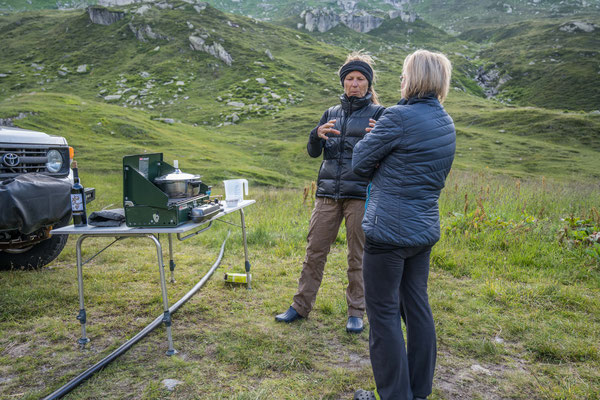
183, 66
455, 16
549, 63
182, 60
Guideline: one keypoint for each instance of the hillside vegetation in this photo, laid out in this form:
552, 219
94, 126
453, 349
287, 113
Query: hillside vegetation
514, 281
139, 77
462, 15
547, 63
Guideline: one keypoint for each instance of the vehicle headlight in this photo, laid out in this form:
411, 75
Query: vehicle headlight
55, 161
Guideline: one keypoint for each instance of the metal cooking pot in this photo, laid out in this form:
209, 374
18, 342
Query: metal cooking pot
179, 184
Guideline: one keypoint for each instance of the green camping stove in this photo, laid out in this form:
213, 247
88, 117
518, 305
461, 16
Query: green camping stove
145, 204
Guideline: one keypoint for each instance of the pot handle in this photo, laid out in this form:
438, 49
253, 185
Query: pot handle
195, 183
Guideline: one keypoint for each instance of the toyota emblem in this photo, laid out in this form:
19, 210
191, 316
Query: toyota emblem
11, 160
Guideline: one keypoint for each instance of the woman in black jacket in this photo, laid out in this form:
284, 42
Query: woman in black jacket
340, 192
408, 156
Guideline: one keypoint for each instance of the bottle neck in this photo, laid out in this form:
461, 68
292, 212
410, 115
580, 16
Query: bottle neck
75, 175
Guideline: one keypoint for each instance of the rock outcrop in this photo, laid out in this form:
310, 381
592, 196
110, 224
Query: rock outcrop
215, 49
575, 26
102, 16
405, 16
363, 22
143, 33
320, 20
491, 81
324, 19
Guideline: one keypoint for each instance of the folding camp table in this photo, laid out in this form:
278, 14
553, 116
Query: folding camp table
183, 232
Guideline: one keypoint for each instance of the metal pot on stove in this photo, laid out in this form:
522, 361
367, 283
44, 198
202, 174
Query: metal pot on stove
179, 184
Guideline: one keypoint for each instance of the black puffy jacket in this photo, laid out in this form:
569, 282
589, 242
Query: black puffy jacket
336, 178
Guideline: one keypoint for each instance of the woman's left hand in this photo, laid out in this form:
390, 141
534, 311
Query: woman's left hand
371, 125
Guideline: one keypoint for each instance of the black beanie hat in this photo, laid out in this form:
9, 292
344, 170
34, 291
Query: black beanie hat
359, 66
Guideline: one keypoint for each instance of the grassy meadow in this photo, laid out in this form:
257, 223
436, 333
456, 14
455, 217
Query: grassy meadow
515, 279
515, 296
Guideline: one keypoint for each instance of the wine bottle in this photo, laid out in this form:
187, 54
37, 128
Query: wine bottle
78, 199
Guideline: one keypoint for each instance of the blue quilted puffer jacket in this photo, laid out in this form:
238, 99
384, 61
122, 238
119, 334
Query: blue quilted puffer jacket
407, 156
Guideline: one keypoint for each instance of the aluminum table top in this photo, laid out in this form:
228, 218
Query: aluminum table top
124, 229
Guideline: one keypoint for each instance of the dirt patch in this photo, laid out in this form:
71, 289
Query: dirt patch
17, 350
460, 378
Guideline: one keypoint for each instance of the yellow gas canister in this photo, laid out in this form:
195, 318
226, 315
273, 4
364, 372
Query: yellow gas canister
236, 278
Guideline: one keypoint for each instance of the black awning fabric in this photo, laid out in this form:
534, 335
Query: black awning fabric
32, 201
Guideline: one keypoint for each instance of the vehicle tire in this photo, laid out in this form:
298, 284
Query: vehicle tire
39, 254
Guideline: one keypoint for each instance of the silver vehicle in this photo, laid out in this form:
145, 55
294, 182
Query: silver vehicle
35, 182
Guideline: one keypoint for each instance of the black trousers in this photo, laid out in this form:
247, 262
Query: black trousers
396, 288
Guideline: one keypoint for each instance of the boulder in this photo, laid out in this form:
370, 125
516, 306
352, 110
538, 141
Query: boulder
145, 32
262, 81
361, 23
200, 7
572, 27
215, 49
142, 10
320, 20
103, 16
404, 16
82, 69
112, 97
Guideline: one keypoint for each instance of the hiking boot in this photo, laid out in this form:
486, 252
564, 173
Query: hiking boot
289, 316
354, 325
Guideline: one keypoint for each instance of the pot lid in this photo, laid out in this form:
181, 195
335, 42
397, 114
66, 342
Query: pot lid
176, 176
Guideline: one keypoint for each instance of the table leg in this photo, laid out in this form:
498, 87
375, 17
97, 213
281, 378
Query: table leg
82, 315
171, 262
247, 263
163, 287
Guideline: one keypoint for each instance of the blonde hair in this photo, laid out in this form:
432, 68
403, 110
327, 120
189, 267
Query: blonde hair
359, 55
426, 72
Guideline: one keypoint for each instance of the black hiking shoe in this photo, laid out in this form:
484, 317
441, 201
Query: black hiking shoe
289, 316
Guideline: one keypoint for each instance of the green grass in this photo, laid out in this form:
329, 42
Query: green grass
507, 293
508, 297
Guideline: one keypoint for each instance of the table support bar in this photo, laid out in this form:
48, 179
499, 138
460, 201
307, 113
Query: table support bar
246, 262
171, 262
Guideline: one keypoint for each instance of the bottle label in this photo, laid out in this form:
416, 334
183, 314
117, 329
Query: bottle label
77, 202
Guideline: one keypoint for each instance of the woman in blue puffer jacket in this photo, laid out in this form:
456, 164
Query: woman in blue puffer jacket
407, 155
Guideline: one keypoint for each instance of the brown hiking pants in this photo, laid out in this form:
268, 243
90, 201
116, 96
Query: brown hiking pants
324, 225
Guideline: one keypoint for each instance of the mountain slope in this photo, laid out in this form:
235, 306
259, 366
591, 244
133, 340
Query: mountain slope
149, 56
122, 88
457, 16
547, 63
